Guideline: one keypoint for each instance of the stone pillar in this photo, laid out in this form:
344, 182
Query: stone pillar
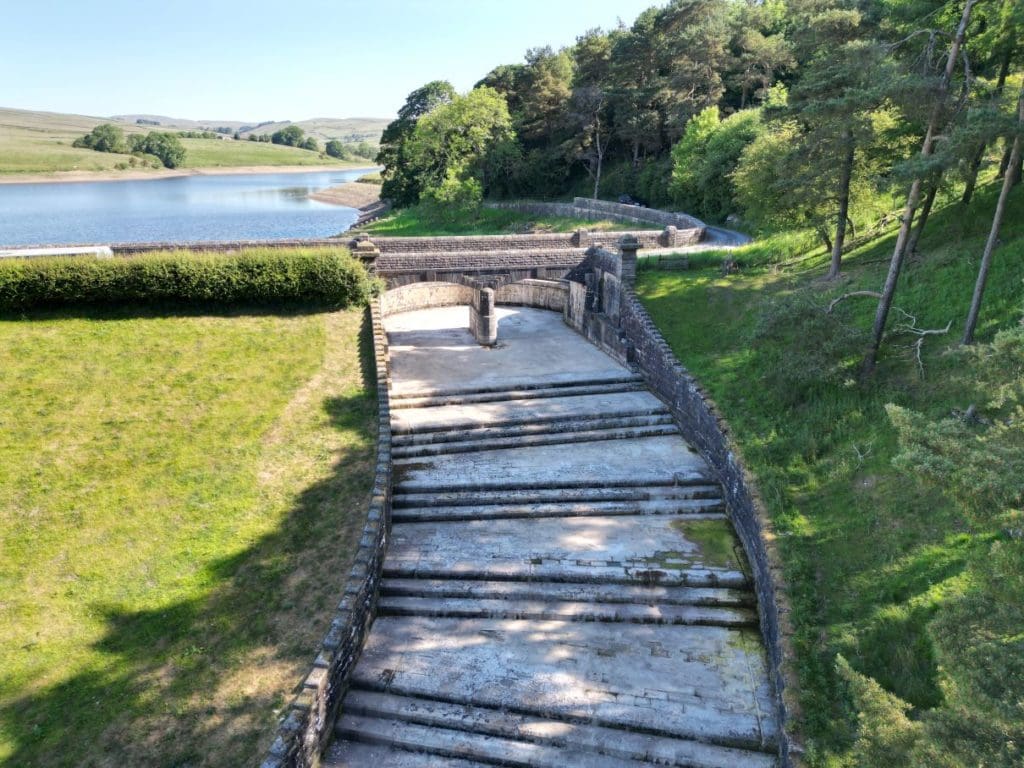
671, 236
363, 248
483, 320
582, 238
629, 245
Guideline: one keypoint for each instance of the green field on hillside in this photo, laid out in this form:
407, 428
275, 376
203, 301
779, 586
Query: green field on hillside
40, 142
220, 153
903, 548
180, 496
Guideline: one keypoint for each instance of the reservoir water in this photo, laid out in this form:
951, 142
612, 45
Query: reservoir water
183, 209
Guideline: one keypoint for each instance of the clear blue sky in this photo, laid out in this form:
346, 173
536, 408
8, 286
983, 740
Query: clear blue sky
262, 60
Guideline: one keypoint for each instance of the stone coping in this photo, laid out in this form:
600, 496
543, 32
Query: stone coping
308, 722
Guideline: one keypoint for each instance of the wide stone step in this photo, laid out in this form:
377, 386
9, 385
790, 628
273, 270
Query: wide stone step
703, 683
555, 591
536, 610
695, 509
489, 750
578, 741
405, 487
520, 386
568, 390
529, 441
515, 412
567, 495
536, 427
641, 549
599, 463
351, 754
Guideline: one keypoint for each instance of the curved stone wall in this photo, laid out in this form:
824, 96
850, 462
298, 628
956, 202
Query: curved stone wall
705, 428
306, 729
425, 295
542, 294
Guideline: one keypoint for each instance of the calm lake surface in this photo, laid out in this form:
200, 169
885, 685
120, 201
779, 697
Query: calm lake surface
183, 209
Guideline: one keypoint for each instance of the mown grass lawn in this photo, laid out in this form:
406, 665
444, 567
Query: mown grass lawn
915, 590
417, 222
179, 501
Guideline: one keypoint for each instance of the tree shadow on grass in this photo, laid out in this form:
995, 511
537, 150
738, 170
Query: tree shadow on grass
200, 682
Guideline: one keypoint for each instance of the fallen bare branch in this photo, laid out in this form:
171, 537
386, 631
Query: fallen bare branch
850, 295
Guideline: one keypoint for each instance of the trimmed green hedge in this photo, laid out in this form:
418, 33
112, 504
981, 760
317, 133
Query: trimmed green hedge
323, 277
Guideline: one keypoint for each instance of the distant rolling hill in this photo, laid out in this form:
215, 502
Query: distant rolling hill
33, 142
348, 130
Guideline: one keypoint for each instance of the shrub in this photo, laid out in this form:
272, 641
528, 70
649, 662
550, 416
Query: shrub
269, 276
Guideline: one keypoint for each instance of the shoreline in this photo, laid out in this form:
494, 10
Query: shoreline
350, 194
168, 173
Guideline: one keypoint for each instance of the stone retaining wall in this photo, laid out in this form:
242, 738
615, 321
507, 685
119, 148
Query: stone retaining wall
309, 720
595, 210
581, 239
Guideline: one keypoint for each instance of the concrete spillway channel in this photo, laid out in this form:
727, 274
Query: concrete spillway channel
562, 586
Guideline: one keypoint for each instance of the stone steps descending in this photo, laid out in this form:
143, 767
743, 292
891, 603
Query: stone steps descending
566, 591
520, 428
582, 741
692, 509
416, 424
404, 486
665, 427
352, 754
488, 750
576, 672
567, 389
542, 495
521, 386
566, 611
640, 549
562, 586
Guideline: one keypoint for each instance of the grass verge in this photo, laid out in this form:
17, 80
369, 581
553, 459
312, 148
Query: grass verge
892, 565
180, 497
417, 221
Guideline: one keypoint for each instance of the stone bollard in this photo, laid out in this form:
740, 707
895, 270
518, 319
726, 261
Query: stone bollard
629, 245
671, 236
363, 248
483, 320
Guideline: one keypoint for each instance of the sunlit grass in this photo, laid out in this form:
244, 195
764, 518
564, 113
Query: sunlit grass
179, 496
875, 560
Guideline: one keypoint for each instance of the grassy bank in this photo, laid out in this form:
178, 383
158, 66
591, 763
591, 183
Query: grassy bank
40, 143
899, 528
418, 221
179, 499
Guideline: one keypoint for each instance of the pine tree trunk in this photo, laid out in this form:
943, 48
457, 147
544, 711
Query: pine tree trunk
927, 150
1005, 162
845, 177
972, 175
979, 156
997, 223
922, 220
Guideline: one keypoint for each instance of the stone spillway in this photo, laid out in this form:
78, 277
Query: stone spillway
562, 586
